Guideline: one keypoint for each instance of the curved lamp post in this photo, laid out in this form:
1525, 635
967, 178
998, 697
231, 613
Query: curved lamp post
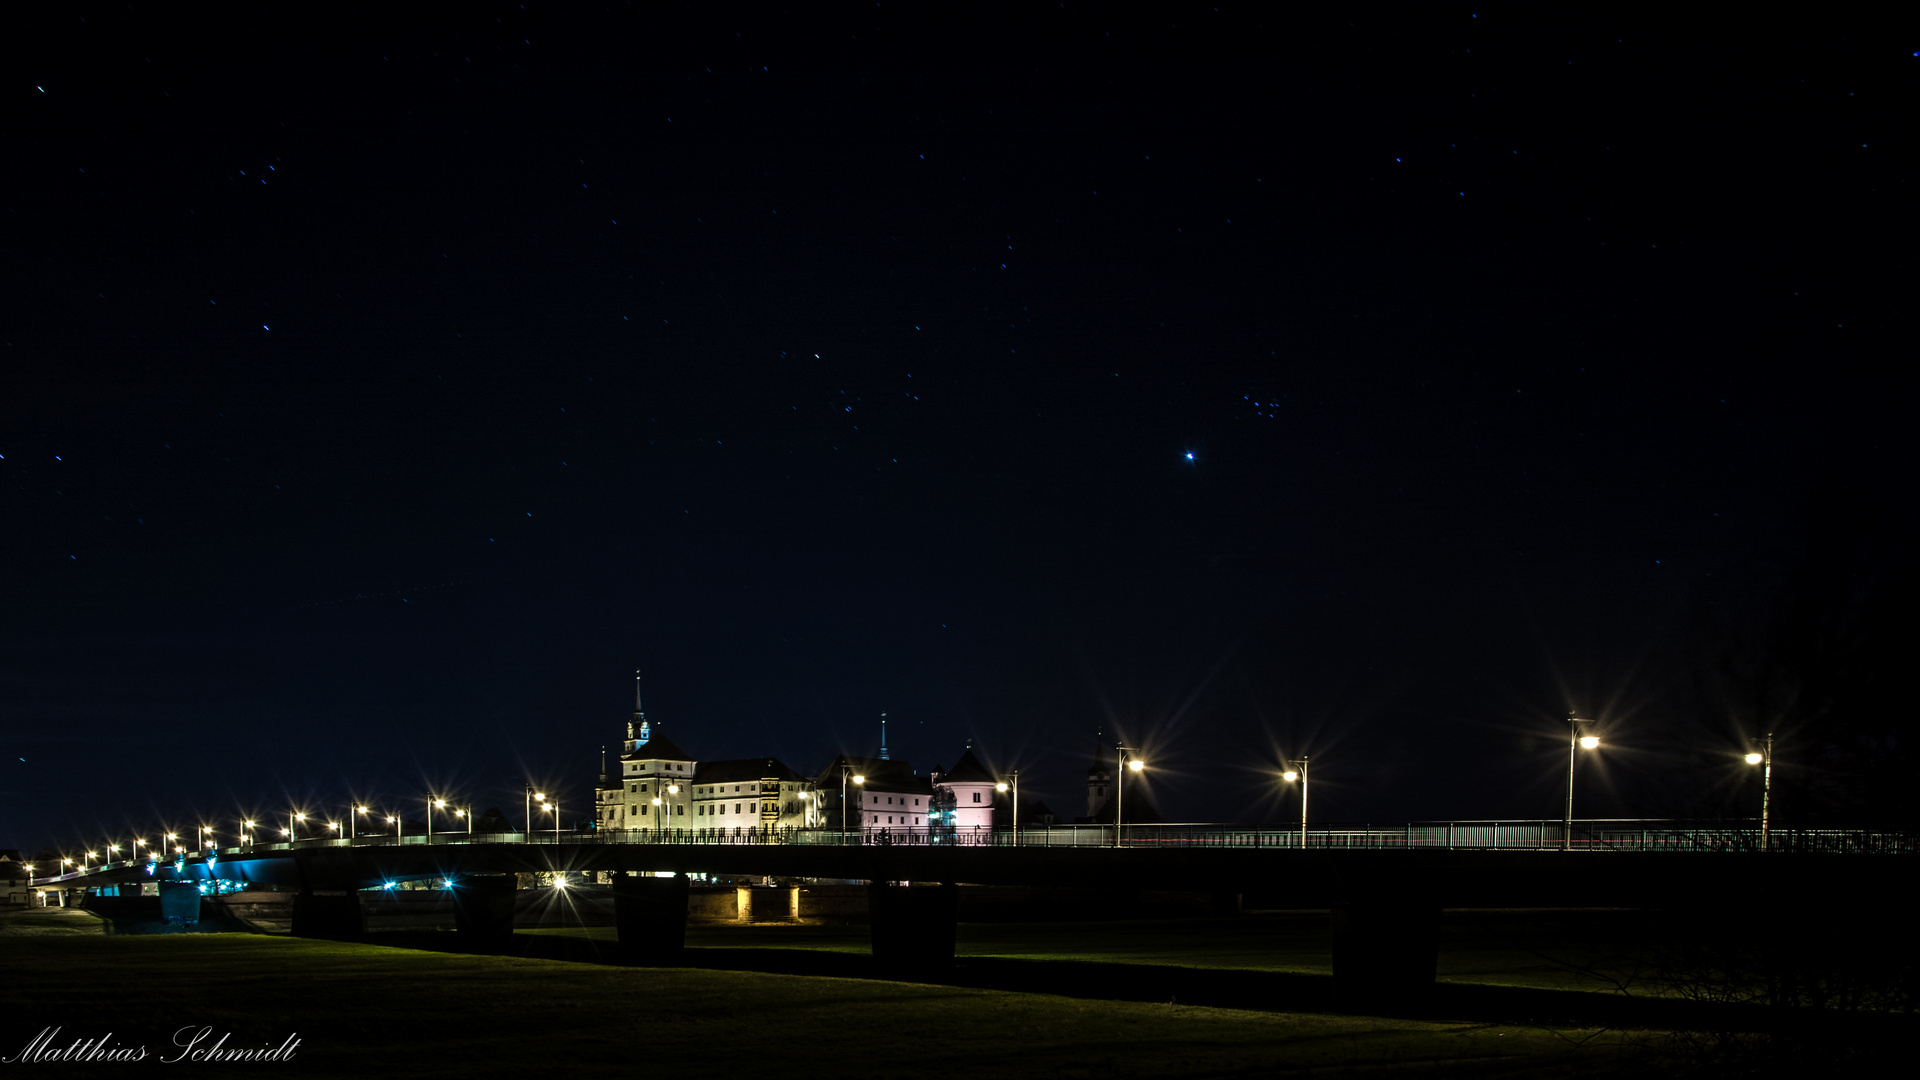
1764, 759
1126, 761
1297, 770
531, 796
846, 773
1575, 743
1002, 788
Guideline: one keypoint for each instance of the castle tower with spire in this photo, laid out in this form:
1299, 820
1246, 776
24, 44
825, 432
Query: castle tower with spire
653, 788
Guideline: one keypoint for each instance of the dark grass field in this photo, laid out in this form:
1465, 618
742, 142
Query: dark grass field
1106, 1000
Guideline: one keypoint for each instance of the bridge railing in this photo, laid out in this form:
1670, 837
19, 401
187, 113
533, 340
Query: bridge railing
1488, 835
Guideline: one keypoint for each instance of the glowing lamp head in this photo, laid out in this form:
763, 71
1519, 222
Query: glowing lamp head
359, 809
673, 789
1290, 776
859, 779
1000, 787
440, 803
656, 800
1136, 764
1588, 742
539, 797
1755, 759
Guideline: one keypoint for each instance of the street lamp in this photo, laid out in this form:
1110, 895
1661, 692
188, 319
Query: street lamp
553, 808
397, 837
294, 817
846, 773
431, 803
1764, 759
1002, 787
532, 795
662, 810
1575, 742
1125, 762
353, 827
1298, 771
244, 826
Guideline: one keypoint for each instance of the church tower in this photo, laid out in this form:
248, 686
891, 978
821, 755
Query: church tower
1099, 781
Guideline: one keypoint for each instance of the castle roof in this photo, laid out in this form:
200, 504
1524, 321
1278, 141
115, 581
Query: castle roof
738, 770
968, 770
896, 776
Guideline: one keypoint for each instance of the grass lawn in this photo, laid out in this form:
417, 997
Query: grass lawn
373, 1010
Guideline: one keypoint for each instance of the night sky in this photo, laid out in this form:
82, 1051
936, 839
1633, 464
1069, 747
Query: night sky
376, 396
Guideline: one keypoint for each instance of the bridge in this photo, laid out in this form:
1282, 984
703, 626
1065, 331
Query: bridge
1385, 885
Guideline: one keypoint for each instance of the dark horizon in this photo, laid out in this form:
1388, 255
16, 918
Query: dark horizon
1376, 387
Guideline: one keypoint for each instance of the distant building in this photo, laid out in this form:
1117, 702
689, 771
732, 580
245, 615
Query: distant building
13, 877
658, 785
891, 798
653, 787
742, 793
970, 787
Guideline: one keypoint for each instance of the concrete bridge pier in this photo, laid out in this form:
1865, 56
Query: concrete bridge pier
913, 927
483, 908
327, 915
1386, 953
650, 917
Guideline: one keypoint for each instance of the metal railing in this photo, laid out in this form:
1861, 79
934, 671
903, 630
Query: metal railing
1620, 834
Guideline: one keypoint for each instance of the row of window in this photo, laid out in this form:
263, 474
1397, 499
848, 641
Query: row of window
713, 810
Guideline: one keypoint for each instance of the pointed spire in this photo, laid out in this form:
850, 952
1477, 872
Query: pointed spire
883, 737
640, 730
